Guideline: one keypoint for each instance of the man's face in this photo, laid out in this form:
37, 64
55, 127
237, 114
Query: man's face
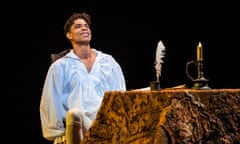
80, 32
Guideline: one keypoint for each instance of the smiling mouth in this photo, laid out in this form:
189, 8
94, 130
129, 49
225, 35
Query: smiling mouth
85, 34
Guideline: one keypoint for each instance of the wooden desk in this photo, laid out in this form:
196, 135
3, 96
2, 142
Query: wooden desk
167, 116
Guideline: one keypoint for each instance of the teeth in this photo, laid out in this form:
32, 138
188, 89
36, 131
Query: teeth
85, 34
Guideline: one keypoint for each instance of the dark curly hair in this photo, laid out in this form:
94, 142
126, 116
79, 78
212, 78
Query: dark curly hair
71, 19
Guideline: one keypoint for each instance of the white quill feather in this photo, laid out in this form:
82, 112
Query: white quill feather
160, 52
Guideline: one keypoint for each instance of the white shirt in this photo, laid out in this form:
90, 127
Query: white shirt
68, 85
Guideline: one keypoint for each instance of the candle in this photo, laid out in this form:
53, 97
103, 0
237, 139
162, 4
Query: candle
199, 52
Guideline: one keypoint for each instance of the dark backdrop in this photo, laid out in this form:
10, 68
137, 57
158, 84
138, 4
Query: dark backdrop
130, 32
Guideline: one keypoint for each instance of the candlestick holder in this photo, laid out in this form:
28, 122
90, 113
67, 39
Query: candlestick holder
200, 82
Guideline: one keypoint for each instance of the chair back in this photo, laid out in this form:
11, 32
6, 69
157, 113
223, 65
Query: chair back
56, 56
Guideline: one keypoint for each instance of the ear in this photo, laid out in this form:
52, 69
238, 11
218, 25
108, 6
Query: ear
68, 35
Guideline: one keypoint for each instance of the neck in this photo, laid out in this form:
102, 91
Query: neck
83, 52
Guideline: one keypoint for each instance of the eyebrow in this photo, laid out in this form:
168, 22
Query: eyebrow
78, 24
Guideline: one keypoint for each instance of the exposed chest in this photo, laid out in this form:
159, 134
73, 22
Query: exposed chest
89, 63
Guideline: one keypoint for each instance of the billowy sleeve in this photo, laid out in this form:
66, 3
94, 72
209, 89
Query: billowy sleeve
118, 79
51, 109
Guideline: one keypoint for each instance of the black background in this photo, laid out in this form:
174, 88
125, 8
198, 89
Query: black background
127, 30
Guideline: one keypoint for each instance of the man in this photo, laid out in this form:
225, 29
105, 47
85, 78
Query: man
75, 85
